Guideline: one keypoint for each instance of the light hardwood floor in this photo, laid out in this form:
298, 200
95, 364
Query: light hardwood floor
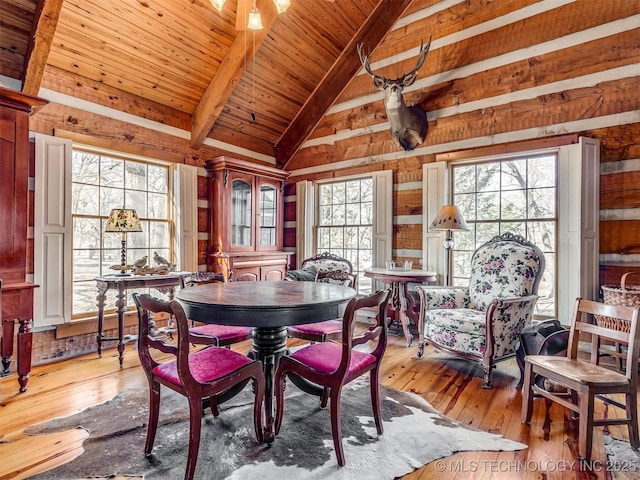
453, 386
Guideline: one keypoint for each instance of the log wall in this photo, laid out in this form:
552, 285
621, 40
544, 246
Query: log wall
516, 76
500, 75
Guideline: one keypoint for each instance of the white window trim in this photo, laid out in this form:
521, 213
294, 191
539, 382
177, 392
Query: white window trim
185, 210
52, 231
305, 221
577, 254
53, 253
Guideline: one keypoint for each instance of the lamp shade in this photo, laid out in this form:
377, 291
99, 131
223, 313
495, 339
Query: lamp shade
218, 4
449, 218
255, 22
123, 220
282, 5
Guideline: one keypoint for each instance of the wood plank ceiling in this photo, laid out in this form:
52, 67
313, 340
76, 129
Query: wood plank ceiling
182, 59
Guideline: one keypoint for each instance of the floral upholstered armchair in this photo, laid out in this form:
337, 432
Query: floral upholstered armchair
482, 321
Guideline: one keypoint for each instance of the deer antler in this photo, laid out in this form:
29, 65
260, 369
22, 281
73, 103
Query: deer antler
424, 49
364, 59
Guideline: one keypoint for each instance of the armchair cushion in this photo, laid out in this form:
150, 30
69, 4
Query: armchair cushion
465, 320
465, 329
460, 329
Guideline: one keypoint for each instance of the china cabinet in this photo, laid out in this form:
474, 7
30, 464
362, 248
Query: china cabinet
17, 293
246, 209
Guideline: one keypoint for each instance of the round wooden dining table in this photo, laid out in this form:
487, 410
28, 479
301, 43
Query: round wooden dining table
268, 307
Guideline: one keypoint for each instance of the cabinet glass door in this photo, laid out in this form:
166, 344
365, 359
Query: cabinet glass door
240, 214
268, 216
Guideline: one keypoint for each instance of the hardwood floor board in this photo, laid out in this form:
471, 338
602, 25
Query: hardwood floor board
39, 454
453, 386
460, 405
482, 465
404, 375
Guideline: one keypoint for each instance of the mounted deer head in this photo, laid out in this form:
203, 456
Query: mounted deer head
408, 124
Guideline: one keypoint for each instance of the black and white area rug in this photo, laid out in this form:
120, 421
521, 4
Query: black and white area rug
623, 462
414, 434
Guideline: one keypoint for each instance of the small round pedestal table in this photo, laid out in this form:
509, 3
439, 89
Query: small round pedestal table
398, 281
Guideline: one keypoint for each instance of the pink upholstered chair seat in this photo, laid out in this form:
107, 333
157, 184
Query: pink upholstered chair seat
206, 365
325, 357
327, 268
209, 334
224, 333
321, 328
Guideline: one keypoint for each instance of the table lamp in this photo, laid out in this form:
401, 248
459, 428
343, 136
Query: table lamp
449, 218
123, 220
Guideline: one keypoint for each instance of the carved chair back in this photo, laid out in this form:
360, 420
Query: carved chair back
508, 265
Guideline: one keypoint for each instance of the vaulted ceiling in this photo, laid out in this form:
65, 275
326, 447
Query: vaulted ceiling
183, 63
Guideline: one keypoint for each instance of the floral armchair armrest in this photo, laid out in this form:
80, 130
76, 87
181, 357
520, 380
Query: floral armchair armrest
506, 317
442, 297
438, 297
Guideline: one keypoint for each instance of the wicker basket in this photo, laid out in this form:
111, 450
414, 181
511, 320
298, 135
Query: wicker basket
625, 295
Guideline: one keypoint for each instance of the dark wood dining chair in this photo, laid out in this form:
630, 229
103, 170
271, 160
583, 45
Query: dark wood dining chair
578, 382
332, 365
209, 333
329, 329
199, 375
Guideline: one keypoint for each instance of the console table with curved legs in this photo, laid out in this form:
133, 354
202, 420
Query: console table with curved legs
401, 300
121, 283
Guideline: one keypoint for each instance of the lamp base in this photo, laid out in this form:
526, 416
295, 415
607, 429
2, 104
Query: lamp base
123, 258
448, 245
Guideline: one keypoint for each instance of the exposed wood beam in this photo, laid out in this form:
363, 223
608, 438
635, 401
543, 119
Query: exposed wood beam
229, 74
44, 27
242, 14
372, 31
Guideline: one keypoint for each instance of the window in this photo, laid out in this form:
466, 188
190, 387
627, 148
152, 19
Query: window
345, 221
99, 184
241, 218
268, 216
516, 195
350, 216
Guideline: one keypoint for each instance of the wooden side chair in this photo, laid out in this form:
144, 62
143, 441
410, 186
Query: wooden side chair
332, 365
329, 329
213, 334
582, 381
199, 375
